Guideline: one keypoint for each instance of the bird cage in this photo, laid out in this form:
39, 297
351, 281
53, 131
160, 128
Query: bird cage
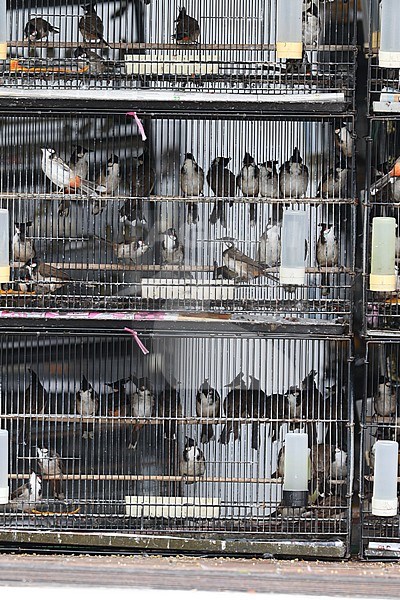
224, 47
379, 422
383, 58
191, 218
174, 438
383, 200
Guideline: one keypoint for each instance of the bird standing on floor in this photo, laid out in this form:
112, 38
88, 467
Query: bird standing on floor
27, 495
311, 24
62, 175
23, 249
223, 184
344, 141
192, 184
248, 181
293, 177
38, 29
244, 267
334, 183
268, 179
170, 409
327, 254
107, 183
51, 468
269, 245
87, 405
91, 26
192, 463
386, 397
208, 405
79, 166
172, 251
235, 406
142, 404
187, 29
142, 181
43, 278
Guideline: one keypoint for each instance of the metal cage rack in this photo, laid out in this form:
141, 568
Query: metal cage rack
379, 421
223, 47
382, 200
105, 435
99, 238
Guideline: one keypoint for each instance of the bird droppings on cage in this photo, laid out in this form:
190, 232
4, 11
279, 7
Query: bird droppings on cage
197, 47
380, 421
107, 438
190, 218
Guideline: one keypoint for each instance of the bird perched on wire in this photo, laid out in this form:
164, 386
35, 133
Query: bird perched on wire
327, 254
386, 397
23, 249
91, 26
208, 405
170, 409
43, 278
132, 250
96, 63
172, 251
38, 29
223, 184
142, 404
258, 407
344, 141
26, 496
244, 267
269, 245
118, 403
187, 29
192, 184
141, 180
248, 181
79, 166
62, 175
235, 405
107, 183
293, 177
192, 463
392, 178
268, 179
334, 183
51, 468
87, 405
311, 24
36, 397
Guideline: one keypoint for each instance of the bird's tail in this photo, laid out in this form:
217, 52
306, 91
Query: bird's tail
255, 436
98, 206
380, 184
88, 187
207, 433
63, 208
193, 213
135, 436
218, 212
253, 213
225, 434
325, 283
54, 29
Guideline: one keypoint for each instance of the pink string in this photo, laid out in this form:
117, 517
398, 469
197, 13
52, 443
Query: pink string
137, 340
139, 124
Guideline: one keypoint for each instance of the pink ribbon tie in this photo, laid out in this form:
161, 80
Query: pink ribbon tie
139, 124
137, 340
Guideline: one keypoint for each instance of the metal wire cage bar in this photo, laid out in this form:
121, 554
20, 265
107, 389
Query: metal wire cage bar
224, 47
188, 438
188, 219
379, 421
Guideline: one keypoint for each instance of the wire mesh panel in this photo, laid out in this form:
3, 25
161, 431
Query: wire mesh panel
380, 421
218, 46
383, 200
189, 219
188, 438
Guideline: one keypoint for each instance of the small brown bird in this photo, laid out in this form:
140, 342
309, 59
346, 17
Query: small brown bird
52, 468
169, 408
242, 265
44, 278
36, 398
192, 463
87, 405
22, 247
327, 254
91, 26
208, 405
27, 495
235, 405
187, 30
38, 29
